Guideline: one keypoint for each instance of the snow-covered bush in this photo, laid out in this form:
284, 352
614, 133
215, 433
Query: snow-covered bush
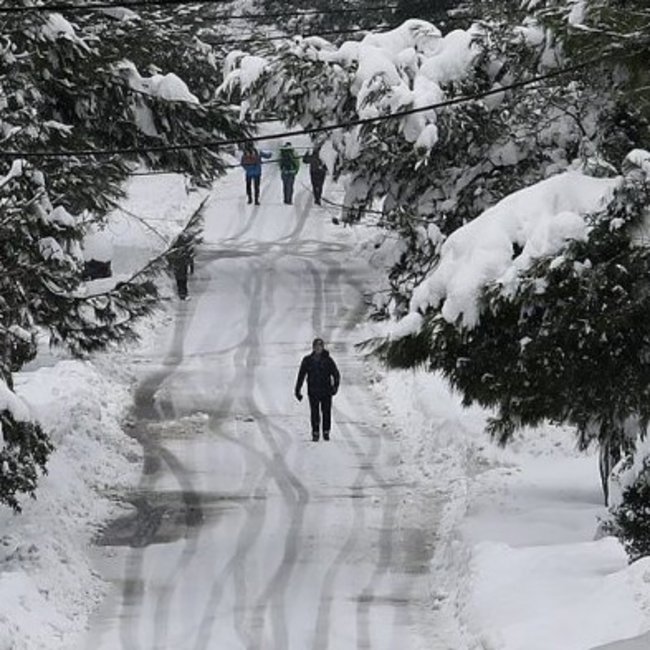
630, 519
629, 501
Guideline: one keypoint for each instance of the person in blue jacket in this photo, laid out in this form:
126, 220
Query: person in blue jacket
251, 161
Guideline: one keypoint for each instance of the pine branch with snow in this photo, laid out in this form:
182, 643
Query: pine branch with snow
537, 309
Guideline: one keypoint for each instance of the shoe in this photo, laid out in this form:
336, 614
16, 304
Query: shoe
326, 435
314, 437
257, 202
249, 201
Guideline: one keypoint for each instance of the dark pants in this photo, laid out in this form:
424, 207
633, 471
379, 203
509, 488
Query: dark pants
317, 182
253, 183
181, 282
287, 186
320, 404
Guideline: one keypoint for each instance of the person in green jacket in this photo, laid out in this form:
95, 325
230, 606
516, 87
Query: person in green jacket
289, 166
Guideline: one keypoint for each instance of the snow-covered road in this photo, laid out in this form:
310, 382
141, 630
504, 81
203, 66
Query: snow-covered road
245, 534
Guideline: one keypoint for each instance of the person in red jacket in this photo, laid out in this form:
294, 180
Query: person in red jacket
323, 379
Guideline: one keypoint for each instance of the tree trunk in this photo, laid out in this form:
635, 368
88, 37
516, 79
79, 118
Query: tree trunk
609, 455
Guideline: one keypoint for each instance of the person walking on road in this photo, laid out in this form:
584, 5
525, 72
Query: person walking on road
182, 264
317, 173
289, 166
251, 161
323, 380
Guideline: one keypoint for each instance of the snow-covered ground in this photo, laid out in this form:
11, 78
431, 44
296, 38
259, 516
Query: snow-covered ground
520, 562
47, 583
515, 564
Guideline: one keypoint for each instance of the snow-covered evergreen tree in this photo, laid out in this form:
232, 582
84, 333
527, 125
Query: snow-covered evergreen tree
538, 309
583, 325
68, 87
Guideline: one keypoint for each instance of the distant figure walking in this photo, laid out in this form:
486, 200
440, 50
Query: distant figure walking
182, 263
317, 173
251, 161
323, 380
289, 166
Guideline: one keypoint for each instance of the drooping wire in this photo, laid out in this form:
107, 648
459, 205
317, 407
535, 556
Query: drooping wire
306, 131
93, 6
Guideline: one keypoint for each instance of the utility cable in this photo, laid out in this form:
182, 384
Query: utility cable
142, 220
296, 132
92, 6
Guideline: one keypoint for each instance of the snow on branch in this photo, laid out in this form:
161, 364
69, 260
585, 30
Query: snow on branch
506, 239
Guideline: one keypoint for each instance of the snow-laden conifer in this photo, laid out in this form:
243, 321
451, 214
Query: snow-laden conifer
69, 86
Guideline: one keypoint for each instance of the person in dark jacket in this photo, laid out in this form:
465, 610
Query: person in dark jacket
182, 263
323, 380
317, 173
251, 161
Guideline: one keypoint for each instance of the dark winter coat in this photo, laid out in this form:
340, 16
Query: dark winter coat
317, 168
323, 376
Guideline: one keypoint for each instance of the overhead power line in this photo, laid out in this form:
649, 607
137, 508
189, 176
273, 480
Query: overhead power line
93, 6
309, 131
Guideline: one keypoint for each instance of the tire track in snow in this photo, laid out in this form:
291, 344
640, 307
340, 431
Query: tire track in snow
162, 608
252, 528
254, 213
296, 499
329, 296
255, 510
146, 410
367, 470
323, 618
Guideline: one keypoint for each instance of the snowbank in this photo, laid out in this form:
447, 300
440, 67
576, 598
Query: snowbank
539, 577
47, 584
518, 565
439, 442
